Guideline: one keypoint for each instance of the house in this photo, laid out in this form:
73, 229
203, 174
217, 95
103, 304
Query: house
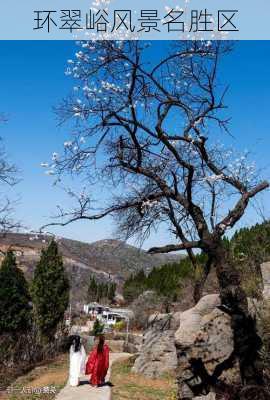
107, 315
94, 309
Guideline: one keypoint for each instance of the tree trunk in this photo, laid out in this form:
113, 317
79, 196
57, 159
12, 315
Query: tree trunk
247, 343
200, 281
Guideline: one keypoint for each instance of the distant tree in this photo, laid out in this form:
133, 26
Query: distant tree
104, 291
134, 286
92, 290
252, 243
111, 291
50, 290
15, 308
165, 280
99, 292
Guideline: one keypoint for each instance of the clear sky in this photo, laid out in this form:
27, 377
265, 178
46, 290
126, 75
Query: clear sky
32, 81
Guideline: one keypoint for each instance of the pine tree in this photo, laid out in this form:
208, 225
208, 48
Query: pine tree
15, 308
92, 290
111, 291
50, 290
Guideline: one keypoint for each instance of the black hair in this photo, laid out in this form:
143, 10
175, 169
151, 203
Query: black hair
101, 340
76, 342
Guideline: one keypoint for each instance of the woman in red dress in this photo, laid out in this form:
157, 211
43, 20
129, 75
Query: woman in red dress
98, 363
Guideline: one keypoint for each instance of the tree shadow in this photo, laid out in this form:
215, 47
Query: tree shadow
86, 382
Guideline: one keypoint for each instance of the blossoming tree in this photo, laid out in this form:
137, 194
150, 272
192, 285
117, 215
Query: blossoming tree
147, 123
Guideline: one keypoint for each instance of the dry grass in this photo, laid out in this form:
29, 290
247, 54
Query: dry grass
53, 376
128, 385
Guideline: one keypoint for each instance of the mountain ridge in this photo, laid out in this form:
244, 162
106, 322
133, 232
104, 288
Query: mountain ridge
107, 259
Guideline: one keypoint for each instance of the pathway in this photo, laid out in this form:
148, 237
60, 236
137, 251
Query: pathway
85, 391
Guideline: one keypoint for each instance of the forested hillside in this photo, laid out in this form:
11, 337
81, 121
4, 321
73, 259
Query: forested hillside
249, 246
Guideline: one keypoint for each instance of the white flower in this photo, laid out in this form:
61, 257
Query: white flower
55, 156
44, 165
68, 72
213, 178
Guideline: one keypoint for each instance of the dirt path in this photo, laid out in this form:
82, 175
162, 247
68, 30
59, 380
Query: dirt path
85, 391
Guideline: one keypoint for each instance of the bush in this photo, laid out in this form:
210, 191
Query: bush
97, 328
119, 326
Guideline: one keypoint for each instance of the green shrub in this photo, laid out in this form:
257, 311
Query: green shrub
119, 326
97, 328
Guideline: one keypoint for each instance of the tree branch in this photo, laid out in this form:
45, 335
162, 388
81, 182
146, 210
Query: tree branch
175, 247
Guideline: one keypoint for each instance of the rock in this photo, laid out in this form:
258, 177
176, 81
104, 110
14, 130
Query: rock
191, 319
135, 339
209, 396
157, 352
116, 346
144, 306
265, 270
205, 333
133, 345
130, 348
200, 333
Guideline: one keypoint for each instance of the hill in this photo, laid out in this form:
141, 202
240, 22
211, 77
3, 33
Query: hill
105, 259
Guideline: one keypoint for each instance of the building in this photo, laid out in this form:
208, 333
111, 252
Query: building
94, 309
107, 315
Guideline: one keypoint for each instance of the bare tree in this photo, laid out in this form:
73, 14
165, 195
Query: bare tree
8, 178
147, 125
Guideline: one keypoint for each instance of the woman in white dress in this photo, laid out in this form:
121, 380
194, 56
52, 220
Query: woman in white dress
77, 357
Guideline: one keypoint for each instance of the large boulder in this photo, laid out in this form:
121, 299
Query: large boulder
157, 351
144, 306
204, 334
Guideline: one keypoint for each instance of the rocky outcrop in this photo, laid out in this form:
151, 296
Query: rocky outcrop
133, 343
204, 342
204, 334
265, 270
157, 352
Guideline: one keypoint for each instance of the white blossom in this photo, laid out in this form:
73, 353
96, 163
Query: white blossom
55, 156
214, 178
50, 172
68, 144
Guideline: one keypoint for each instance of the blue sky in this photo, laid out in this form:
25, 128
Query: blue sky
32, 81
